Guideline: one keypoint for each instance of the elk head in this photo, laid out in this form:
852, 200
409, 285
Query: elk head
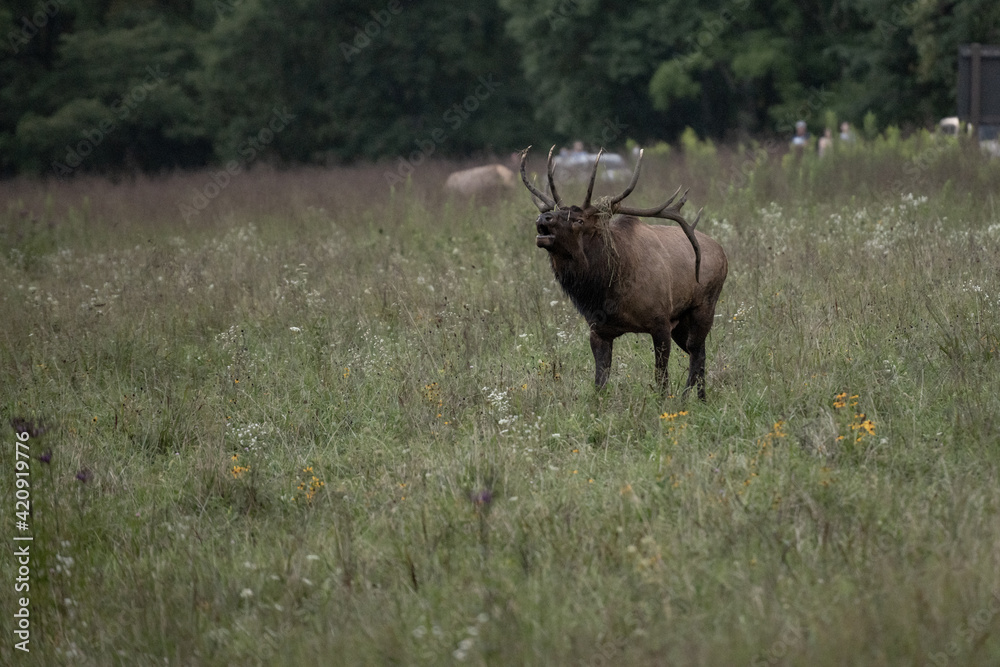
561, 227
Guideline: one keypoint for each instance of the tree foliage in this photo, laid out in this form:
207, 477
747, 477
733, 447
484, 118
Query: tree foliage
160, 84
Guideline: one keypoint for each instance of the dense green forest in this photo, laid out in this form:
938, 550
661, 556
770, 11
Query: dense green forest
113, 86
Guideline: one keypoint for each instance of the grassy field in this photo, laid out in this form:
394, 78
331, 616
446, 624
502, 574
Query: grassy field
326, 422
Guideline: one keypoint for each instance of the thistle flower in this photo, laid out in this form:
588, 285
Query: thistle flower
481, 498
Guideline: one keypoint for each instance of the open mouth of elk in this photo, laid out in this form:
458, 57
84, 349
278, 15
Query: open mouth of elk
545, 238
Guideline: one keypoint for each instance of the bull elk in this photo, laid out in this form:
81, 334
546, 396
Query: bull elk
625, 276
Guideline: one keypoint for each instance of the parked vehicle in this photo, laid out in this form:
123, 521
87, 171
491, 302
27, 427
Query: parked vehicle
576, 165
989, 135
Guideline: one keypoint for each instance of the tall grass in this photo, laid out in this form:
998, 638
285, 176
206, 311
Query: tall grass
326, 421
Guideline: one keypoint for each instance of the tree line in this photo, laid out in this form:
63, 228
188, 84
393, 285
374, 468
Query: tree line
151, 85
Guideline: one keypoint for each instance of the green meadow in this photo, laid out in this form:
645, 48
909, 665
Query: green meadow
326, 421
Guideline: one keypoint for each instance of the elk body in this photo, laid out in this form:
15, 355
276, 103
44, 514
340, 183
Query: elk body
625, 276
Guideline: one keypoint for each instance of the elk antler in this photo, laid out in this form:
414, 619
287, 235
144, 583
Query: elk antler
662, 211
552, 180
593, 175
536, 195
631, 186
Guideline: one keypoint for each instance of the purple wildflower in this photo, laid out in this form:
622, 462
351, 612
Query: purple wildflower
481, 498
32, 428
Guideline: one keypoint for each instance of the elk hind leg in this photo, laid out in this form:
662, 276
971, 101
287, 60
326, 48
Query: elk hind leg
697, 332
680, 335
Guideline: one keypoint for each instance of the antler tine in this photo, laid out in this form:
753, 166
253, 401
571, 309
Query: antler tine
672, 213
654, 211
593, 175
536, 195
552, 181
694, 244
631, 185
697, 218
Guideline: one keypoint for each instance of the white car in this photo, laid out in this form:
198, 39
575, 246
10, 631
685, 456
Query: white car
950, 126
578, 165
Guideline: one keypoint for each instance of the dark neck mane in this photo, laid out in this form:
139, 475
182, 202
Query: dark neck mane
592, 281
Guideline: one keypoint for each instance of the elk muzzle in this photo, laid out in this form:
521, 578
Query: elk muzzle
545, 239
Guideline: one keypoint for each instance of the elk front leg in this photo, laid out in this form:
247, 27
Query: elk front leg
601, 347
661, 352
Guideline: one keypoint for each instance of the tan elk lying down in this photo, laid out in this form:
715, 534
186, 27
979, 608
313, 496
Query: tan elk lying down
625, 276
480, 179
